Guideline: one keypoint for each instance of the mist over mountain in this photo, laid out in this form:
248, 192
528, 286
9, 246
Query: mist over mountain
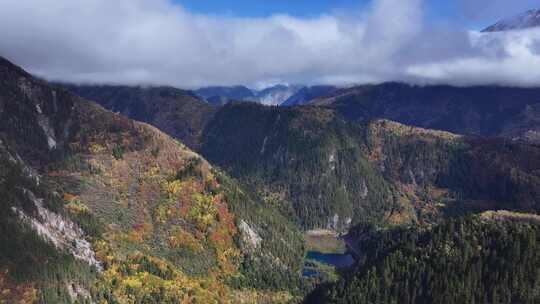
277, 94
222, 95
271, 96
307, 94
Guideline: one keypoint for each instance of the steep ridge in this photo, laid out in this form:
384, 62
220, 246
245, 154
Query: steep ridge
226, 138
231, 146
479, 111
115, 209
177, 112
33, 117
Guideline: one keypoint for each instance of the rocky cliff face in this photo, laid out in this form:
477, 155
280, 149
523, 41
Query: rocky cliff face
36, 123
59, 230
36, 118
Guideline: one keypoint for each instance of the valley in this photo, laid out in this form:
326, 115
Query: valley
329, 175
160, 152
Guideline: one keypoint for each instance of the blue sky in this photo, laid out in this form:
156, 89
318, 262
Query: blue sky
435, 10
471, 14
252, 8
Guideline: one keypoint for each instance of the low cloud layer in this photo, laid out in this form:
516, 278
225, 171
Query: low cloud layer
158, 42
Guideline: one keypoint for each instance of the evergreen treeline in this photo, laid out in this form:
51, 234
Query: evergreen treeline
283, 241
26, 257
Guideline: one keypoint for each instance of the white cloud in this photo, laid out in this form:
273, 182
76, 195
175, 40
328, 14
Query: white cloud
503, 58
158, 42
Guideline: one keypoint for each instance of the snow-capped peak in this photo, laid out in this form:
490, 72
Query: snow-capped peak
525, 20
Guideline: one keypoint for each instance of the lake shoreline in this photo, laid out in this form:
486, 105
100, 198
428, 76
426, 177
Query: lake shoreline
326, 252
325, 241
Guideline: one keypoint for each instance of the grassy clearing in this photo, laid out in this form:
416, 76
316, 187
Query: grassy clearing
324, 241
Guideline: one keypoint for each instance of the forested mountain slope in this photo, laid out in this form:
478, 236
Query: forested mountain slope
234, 142
488, 258
489, 111
324, 170
305, 157
327, 172
334, 172
97, 207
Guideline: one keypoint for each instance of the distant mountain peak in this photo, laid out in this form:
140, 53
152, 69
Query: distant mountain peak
276, 95
528, 19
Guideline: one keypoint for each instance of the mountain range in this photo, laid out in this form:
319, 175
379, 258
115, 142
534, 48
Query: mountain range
340, 164
488, 111
125, 187
332, 185
154, 194
272, 96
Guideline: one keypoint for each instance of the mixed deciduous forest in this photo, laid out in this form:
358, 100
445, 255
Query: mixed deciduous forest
211, 204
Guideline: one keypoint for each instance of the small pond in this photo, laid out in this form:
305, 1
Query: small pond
333, 259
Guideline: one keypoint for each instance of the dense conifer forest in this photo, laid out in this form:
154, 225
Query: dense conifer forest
488, 258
